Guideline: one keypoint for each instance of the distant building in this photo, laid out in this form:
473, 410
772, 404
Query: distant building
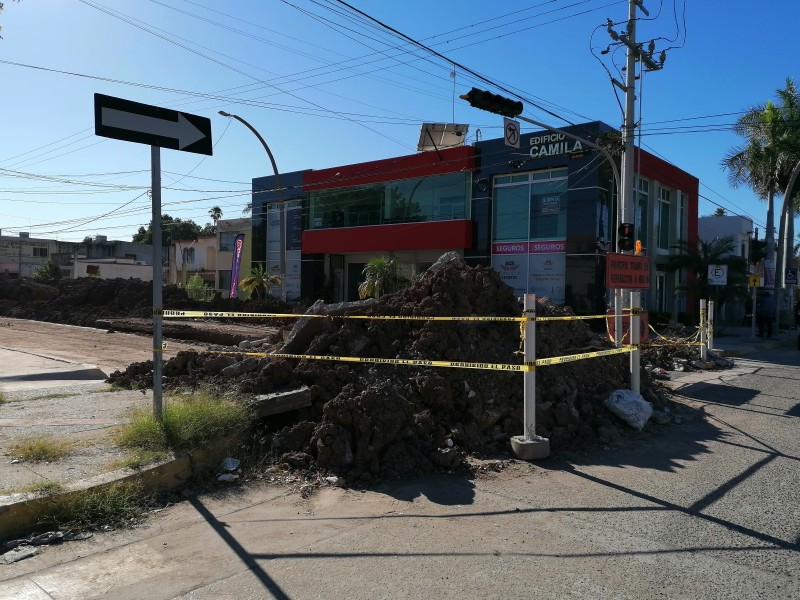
20, 256
740, 229
101, 247
112, 268
210, 256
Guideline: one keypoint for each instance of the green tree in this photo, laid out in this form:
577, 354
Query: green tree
258, 282
382, 277
49, 272
720, 251
171, 229
765, 162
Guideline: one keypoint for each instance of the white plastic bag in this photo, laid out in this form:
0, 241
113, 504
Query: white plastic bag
630, 407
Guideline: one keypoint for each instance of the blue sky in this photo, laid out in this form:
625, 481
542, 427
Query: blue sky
326, 88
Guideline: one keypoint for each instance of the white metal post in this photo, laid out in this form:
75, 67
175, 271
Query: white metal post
618, 316
710, 322
529, 382
530, 446
635, 336
155, 166
703, 347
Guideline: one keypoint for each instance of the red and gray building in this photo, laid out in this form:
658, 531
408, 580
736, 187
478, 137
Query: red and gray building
543, 215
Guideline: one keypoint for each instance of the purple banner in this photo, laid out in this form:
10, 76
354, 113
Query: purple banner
238, 245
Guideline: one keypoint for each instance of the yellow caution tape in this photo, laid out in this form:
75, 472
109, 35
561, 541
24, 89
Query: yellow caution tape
390, 361
210, 314
573, 318
540, 362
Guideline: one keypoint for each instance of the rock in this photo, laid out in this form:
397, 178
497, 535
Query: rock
217, 364
19, 553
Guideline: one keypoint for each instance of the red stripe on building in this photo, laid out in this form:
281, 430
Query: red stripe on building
438, 235
423, 164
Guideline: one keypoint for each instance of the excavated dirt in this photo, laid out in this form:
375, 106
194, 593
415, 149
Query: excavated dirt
369, 421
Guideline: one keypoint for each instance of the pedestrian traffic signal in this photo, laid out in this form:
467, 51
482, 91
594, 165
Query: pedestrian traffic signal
625, 237
493, 103
758, 250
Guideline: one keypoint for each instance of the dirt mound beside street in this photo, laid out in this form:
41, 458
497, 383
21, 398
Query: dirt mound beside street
374, 420
126, 305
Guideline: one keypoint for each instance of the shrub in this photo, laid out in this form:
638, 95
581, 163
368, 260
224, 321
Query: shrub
196, 288
189, 422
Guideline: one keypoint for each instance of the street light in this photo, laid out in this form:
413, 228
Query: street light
279, 202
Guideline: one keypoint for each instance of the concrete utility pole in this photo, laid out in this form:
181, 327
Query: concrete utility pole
625, 210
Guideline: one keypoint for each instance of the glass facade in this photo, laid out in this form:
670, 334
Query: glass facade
532, 206
436, 198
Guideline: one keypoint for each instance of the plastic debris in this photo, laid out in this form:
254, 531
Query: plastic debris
231, 464
227, 477
630, 407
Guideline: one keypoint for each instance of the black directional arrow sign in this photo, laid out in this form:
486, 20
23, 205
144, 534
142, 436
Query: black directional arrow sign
145, 124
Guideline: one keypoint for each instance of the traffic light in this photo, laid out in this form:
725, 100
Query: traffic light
493, 103
625, 237
758, 250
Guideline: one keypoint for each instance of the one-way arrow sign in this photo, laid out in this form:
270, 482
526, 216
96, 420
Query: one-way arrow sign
145, 124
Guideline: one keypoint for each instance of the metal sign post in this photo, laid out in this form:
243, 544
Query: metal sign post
157, 127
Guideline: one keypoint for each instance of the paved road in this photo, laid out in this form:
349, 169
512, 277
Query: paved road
707, 509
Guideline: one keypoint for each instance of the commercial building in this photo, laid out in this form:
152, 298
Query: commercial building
543, 215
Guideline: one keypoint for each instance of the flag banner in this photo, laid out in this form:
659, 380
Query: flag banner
238, 246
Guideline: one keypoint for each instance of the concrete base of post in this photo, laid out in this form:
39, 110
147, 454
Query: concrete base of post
534, 449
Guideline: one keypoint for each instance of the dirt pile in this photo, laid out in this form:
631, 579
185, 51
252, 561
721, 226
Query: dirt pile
375, 420
87, 300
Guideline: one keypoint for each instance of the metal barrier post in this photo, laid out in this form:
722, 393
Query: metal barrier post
635, 337
710, 322
703, 346
530, 446
618, 316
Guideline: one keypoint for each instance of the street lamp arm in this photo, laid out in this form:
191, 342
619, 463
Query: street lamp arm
263, 143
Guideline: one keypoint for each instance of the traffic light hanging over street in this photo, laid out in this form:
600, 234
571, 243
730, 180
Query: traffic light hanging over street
493, 103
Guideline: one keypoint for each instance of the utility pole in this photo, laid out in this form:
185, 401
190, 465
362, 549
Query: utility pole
625, 208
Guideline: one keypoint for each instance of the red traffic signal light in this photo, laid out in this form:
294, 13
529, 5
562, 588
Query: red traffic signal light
493, 103
625, 237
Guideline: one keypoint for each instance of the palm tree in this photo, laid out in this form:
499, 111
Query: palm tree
720, 251
259, 282
248, 208
766, 160
382, 277
216, 214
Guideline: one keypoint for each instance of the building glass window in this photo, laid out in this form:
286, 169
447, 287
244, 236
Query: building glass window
187, 255
640, 217
531, 206
226, 239
437, 198
40, 252
663, 218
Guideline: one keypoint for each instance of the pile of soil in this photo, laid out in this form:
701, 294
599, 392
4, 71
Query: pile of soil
371, 421
121, 304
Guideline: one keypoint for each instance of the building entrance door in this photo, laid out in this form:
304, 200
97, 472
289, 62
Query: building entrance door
337, 277
354, 278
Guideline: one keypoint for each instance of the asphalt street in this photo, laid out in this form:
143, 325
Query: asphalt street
704, 508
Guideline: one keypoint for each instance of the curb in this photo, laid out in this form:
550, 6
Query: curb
20, 512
